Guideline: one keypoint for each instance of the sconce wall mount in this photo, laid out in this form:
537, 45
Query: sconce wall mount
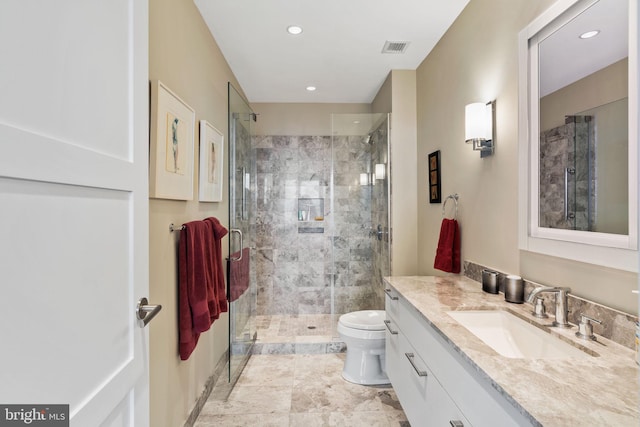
480, 125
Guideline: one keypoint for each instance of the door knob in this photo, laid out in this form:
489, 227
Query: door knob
146, 312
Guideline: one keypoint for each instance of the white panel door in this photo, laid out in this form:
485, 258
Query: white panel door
74, 207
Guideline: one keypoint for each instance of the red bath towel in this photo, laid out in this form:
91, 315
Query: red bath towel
448, 251
201, 285
238, 274
193, 311
217, 288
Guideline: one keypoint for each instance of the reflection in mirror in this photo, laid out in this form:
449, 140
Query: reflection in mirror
583, 122
578, 137
584, 170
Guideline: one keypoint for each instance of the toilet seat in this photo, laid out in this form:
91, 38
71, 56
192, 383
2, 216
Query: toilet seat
367, 320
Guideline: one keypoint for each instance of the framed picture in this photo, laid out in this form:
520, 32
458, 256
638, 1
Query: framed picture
171, 145
211, 162
434, 177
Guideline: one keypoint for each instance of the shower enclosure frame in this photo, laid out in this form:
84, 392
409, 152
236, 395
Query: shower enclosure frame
242, 202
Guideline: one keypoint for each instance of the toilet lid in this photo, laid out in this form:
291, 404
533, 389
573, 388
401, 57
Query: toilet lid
369, 320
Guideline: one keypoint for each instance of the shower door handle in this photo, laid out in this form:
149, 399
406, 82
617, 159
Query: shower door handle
237, 230
378, 232
567, 215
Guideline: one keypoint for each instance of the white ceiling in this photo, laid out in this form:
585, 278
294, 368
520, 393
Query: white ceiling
339, 50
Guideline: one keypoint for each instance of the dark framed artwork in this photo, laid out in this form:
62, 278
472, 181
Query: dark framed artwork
434, 177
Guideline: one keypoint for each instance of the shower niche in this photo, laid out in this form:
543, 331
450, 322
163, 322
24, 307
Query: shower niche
310, 209
310, 215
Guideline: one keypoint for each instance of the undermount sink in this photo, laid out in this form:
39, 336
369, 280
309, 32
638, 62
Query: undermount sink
513, 337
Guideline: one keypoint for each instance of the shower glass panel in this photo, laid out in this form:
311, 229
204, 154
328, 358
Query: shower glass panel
241, 290
360, 211
566, 171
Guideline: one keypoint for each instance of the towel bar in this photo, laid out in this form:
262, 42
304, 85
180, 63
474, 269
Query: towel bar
173, 228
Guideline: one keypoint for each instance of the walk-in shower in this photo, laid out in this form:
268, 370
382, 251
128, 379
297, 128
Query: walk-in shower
321, 231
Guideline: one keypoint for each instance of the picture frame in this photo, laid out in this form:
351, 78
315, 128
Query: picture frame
434, 177
211, 163
171, 148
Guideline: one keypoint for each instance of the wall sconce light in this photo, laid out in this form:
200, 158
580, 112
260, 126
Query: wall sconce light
364, 179
479, 121
381, 171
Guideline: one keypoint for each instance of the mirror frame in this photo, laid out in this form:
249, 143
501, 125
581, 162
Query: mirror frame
610, 250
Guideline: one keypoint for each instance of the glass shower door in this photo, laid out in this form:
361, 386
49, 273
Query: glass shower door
380, 199
242, 203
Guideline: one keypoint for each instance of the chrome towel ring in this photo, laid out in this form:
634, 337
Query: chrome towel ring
454, 197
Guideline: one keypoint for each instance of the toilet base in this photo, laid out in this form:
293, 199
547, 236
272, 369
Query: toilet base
368, 381
365, 367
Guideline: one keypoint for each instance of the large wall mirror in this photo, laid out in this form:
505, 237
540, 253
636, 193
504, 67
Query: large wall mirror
579, 133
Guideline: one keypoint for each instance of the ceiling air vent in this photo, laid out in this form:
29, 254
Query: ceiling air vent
394, 47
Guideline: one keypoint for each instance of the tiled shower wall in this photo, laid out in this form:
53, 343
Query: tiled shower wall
313, 272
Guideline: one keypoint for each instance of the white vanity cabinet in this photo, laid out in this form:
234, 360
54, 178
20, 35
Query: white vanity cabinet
437, 387
422, 397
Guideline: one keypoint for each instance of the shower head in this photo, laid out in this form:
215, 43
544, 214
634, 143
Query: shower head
367, 139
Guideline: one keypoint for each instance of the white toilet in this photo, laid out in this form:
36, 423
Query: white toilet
364, 332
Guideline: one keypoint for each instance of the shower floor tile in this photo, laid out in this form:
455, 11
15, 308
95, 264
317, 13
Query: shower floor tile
302, 328
302, 390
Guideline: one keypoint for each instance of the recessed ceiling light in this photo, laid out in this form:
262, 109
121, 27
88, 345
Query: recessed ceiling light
589, 34
311, 88
294, 29
355, 122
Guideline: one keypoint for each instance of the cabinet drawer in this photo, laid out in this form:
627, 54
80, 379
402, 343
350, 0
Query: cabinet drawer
423, 399
391, 302
481, 403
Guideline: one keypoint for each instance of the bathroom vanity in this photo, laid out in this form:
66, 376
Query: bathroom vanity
443, 374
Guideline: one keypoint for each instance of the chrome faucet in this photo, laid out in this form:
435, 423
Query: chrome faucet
562, 308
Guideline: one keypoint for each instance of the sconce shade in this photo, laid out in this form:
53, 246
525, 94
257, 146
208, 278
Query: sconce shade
381, 171
479, 120
364, 179
477, 117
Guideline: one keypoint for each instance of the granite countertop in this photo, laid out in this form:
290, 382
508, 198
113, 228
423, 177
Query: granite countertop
593, 391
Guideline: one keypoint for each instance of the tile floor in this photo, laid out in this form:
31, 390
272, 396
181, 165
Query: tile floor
304, 390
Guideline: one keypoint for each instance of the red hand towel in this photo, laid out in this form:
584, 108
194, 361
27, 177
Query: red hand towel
217, 289
448, 251
193, 311
238, 274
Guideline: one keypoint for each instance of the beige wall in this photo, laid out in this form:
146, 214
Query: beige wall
477, 60
382, 103
397, 95
184, 56
404, 174
602, 87
300, 119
